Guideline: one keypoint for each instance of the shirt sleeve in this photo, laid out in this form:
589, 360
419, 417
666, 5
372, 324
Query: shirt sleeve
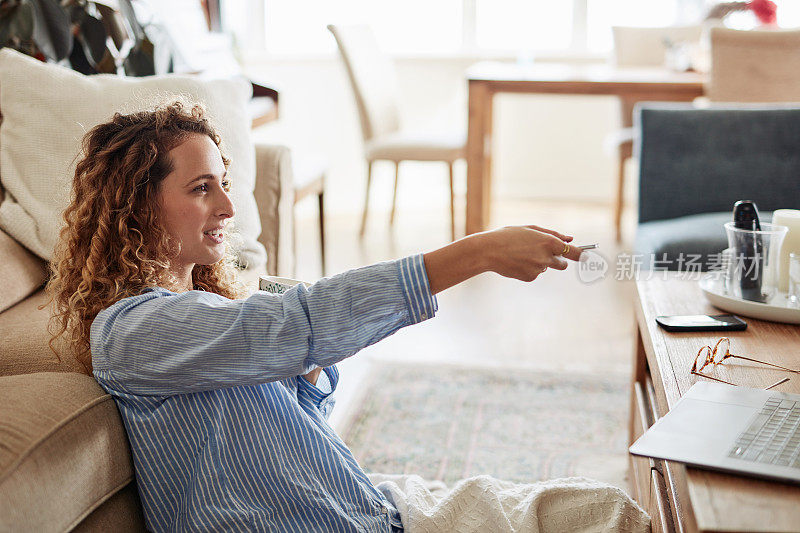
163, 343
324, 383
321, 394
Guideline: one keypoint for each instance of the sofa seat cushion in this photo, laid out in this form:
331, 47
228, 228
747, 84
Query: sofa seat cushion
63, 450
662, 243
414, 146
21, 272
24, 340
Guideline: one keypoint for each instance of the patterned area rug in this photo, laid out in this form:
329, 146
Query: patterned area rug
448, 423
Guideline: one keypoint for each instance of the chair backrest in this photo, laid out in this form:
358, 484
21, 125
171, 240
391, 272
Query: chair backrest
372, 77
694, 160
647, 47
754, 66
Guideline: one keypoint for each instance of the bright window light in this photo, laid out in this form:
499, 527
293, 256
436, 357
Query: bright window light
514, 25
408, 27
788, 13
442, 27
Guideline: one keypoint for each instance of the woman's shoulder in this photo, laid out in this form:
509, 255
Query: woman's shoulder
128, 302
135, 315
150, 296
146, 294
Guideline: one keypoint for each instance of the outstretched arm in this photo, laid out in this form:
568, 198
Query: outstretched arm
164, 343
520, 252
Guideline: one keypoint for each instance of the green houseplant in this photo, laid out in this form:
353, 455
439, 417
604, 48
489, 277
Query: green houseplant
89, 36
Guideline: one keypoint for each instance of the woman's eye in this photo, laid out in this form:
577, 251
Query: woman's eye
202, 188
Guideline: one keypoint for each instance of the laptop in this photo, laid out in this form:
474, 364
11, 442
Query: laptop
715, 426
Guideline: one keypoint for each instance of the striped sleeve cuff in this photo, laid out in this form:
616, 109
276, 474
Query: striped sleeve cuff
326, 384
422, 305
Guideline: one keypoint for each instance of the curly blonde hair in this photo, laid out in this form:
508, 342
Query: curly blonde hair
113, 245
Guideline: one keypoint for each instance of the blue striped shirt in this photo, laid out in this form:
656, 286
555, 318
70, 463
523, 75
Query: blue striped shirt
226, 434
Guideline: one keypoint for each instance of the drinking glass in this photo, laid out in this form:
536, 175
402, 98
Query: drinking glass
753, 270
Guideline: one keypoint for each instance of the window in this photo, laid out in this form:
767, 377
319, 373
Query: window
407, 27
789, 13
443, 27
513, 25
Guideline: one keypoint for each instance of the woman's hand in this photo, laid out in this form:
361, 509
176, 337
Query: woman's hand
520, 252
525, 252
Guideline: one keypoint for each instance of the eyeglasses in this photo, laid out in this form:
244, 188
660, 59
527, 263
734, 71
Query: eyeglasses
719, 354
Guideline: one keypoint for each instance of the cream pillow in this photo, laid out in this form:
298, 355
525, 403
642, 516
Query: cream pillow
47, 109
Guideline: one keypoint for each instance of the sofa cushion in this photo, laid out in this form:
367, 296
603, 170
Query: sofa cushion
24, 340
63, 451
21, 272
46, 111
122, 513
702, 160
665, 241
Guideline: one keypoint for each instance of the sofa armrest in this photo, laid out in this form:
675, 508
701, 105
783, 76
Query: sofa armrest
63, 454
274, 194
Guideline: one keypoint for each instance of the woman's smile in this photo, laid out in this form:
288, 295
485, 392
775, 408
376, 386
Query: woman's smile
215, 235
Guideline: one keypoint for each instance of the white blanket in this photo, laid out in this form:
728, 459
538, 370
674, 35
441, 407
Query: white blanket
483, 504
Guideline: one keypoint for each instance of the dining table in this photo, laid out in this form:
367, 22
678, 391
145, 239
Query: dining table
488, 78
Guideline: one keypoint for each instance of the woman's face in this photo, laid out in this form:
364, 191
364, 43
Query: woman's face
195, 205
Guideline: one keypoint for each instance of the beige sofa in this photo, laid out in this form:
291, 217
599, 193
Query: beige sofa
65, 464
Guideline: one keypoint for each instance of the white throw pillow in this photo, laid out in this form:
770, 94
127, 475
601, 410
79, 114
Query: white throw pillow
46, 110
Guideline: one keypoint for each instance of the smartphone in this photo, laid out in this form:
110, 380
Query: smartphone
701, 323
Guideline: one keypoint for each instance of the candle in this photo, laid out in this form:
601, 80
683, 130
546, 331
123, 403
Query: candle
791, 243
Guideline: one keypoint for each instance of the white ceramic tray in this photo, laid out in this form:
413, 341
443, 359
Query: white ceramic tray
777, 310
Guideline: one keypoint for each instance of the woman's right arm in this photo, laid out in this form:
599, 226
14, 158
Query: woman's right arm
162, 343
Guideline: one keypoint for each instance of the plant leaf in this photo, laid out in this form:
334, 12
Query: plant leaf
78, 60
18, 22
94, 37
140, 61
52, 30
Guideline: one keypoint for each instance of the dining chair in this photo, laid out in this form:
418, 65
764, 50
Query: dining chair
640, 47
374, 83
647, 47
754, 65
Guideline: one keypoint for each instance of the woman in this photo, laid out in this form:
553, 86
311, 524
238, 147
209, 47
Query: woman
225, 397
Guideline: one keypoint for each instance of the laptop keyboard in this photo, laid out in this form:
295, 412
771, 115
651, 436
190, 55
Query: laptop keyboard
773, 437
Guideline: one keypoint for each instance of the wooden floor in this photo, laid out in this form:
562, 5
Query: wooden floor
558, 322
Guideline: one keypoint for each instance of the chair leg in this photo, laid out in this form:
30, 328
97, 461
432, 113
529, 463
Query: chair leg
366, 200
394, 194
624, 153
452, 204
321, 230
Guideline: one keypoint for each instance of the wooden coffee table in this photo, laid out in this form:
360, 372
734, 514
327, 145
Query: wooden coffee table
683, 498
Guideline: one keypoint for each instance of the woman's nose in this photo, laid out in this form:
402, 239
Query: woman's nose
226, 209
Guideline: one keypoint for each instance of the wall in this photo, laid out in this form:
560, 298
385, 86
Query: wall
545, 146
